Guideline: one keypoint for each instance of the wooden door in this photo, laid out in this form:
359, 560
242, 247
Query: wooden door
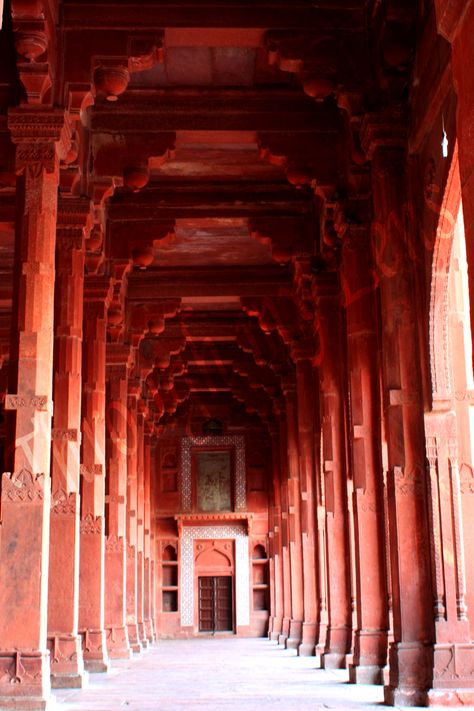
215, 603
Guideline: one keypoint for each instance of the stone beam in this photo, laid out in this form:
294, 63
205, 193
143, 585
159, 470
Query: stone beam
222, 281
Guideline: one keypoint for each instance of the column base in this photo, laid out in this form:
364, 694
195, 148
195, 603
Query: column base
404, 697
333, 660
67, 664
27, 703
133, 638
366, 674
118, 646
276, 628
307, 648
411, 673
25, 682
322, 638
70, 681
294, 638
149, 631
285, 631
94, 650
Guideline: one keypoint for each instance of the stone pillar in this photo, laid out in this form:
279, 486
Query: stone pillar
294, 518
118, 363
332, 368
410, 655
140, 524
370, 647
153, 538
457, 27
285, 542
97, 295
302, 354
131, 530
67, 665
41, 136
277, 564
147, 460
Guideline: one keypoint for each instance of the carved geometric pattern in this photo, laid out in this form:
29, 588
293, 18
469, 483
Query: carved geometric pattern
22, 487
235, 441
242, 572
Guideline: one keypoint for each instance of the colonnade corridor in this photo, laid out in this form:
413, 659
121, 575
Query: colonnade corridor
219, 674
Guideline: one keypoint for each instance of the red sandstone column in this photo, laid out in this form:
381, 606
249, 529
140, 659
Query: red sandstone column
147, 588
132, 465
338, 641
370, 648
67, 665
41, 136
140, 524
458, 28
294, 520
153, 591
411, 653
277, 611
285, 543
118, 363
302, 354
97, 294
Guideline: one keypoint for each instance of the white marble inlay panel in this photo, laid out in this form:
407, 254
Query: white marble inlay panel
235, 441
242, 569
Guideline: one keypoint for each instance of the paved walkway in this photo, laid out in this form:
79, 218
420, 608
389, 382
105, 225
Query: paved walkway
224, 674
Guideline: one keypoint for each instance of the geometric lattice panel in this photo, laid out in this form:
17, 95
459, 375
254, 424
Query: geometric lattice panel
235, 441
242, 569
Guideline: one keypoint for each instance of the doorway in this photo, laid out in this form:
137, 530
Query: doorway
215, 603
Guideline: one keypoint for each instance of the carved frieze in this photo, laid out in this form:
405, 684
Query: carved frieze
36, 402
114, 544
408, 482
63, 503
91, 524
71, 435
22, 487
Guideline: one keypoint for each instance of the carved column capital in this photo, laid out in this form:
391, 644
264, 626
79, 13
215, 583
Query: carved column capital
386, 129
42, 135
74, 223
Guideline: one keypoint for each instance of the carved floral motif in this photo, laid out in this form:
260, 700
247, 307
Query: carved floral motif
22, 487
63, 503
91, 524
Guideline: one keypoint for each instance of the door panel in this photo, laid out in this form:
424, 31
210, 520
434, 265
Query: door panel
206, 604
215, 603
223, 605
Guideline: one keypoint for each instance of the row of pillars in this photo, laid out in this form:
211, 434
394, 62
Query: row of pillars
366, 569
76, 546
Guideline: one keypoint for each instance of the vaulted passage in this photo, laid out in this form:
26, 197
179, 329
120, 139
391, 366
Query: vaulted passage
236, 382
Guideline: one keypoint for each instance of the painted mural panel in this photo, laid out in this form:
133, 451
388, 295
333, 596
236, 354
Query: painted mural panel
214, 491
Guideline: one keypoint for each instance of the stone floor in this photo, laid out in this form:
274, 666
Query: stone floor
218, 674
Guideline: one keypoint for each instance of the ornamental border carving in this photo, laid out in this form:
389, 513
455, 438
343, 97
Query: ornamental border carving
235, 441
22, 487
